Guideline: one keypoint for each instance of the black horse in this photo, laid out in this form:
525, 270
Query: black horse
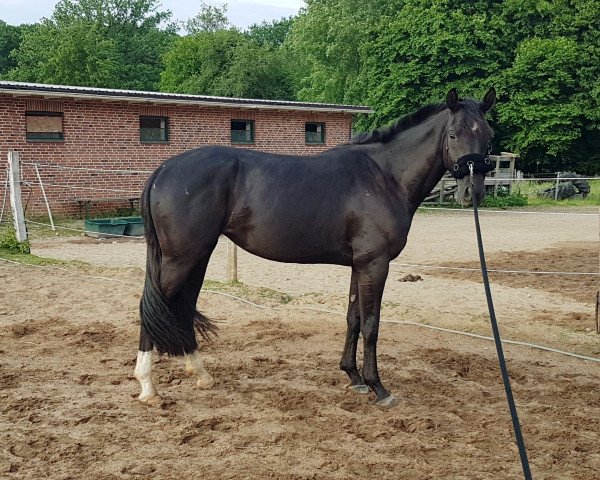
352, 205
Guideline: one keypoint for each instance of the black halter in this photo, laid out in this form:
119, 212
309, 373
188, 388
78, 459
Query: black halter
481, 164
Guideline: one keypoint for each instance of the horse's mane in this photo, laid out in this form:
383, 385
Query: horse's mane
385, 134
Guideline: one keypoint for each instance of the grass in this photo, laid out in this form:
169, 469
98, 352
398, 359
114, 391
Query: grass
525, 193
247, 292
529, 189
29, 259
70, 227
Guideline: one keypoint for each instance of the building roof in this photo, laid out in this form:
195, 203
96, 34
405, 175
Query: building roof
67, 91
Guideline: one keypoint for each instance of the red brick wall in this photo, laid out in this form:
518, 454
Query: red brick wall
105, 135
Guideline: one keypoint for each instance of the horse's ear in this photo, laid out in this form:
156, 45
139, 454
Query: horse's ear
489, 99
452, 100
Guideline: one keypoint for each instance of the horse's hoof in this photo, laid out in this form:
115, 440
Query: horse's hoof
149, 400
387, 402
205, 383
360, 388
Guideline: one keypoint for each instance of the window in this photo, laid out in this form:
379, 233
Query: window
44, 126
242, 131
314, 132
154, 129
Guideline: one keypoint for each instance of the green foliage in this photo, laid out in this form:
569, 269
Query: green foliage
272, 34
504, 201
255, 72
194, 63
544, 115
102, 43
48, 54
210, 19
9, 243
530, 190
325, 42
226, 63
551, 115
10, 38
426, 47
543, 57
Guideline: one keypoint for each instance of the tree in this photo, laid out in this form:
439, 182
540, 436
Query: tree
396, 55
195, 63
415, 56
226, 63
75, 55
551, 111
271, 34
542, 114
10, 38
256, 71
209, 19
324, 43
102, 43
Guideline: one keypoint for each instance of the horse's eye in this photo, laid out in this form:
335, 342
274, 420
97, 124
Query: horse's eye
452, 136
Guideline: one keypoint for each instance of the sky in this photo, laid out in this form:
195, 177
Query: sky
241, 14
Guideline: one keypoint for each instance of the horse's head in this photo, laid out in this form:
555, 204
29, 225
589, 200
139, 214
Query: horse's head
467, 145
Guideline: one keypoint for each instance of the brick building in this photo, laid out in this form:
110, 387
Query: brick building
77, 135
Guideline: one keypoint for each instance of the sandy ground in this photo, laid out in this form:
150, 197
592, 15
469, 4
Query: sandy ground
68, 339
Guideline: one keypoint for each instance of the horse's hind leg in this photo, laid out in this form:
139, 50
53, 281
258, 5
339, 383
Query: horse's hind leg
348, 362
143, 369
194, 365
181, 280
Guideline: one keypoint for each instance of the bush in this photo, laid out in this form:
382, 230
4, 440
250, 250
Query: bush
9, 243
514, 200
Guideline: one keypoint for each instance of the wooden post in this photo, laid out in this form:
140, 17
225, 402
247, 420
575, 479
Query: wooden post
556, 187
16, 204
39, 177
495, 175
232, 271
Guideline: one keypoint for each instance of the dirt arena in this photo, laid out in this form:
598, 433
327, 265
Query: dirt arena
279, 409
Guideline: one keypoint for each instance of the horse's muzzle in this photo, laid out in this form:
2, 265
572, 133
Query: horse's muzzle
471, 189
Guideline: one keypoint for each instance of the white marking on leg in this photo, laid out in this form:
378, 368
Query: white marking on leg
143, 373
194, 366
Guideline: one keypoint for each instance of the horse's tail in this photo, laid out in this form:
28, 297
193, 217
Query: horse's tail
169, 322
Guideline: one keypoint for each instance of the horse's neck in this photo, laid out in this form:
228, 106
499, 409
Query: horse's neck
415, 159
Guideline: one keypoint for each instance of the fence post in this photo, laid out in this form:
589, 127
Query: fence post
598, 293
14, 176
556, 188
232, 270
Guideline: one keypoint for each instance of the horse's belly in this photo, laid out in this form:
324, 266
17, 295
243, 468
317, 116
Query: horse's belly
293, 250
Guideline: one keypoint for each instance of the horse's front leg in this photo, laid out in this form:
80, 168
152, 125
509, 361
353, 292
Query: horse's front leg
371, 281
348, 362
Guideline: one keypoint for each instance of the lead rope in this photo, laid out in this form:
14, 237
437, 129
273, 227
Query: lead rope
499, 350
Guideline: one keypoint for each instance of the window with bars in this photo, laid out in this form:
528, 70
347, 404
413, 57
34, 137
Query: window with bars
314, 132
242, 131
154, 129
44, 126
